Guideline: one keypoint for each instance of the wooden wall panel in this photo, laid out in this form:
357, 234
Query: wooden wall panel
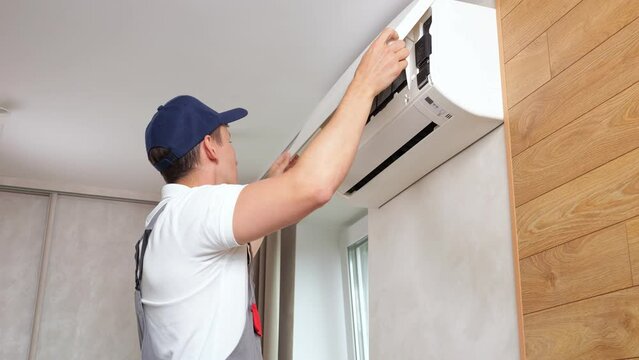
589, 266
589, 24
633, 248
603, 327
507, 6
603, 134
528, 20
573, 131
595, 78
528, 70
601, 198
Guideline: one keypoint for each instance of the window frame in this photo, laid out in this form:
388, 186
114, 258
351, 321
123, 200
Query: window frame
359, 329
353, 233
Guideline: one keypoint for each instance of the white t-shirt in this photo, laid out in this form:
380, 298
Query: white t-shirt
194, 286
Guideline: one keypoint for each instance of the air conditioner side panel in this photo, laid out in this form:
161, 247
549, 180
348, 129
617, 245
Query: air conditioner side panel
465, 63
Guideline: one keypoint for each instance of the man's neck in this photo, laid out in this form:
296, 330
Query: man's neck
194, 180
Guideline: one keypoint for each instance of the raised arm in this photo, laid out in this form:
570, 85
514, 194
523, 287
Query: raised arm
271, 204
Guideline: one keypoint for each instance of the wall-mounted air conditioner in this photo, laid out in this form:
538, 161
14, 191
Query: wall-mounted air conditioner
448, 97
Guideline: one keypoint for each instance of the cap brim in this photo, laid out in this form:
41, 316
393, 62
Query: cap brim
233, 115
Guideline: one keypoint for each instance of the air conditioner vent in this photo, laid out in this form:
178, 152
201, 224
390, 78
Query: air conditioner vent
396, 155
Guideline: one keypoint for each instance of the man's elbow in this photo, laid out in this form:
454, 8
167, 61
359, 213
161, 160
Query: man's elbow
316, 192
322, 195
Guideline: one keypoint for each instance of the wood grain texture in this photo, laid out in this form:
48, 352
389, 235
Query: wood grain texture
632, 227
528, 20
603, 134
604, 72
587, 25
574, 130
506, 6
603, 327
592, 265
528, 70
598, 199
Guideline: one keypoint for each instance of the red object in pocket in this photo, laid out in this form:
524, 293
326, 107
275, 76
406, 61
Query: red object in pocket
257, 325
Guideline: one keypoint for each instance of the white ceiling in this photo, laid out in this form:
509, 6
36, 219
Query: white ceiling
83, 78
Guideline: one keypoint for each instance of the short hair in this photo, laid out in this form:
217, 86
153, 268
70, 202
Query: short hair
182, 166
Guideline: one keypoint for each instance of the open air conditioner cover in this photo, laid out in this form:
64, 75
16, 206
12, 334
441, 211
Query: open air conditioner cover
448, 97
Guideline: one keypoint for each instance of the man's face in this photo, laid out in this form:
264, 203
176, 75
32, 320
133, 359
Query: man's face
227, 158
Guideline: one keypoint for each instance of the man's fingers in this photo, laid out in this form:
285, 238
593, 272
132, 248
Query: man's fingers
279, 164
396, 45
393, 35
292, 162
283, 158
403, 53
387, 35
402, 65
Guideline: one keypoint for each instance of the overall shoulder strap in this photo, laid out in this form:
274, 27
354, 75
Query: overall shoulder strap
140, 248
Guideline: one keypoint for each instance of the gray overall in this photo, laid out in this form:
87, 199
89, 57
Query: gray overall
249, 346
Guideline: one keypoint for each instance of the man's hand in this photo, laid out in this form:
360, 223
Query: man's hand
382, 63
281, 165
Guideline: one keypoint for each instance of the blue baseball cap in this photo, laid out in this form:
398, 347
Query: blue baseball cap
181, 123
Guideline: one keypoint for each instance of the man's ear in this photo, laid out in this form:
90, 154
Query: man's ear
209, 146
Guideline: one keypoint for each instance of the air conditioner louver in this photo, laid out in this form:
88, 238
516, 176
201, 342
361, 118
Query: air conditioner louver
396, 155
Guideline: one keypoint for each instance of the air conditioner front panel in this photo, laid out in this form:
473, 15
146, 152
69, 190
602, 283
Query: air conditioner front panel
388, 140
408, 114
442, 144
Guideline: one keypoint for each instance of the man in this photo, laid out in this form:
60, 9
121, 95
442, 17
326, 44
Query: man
194, 297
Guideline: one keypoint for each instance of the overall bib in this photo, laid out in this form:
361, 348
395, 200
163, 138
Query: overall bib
248, 348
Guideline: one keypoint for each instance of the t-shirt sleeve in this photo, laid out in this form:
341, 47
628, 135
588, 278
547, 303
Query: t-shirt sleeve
218, 218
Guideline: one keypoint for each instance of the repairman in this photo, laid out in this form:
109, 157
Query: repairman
194, 297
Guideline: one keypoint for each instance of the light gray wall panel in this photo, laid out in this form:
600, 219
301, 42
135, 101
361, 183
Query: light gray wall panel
23, 220
320, 327
441, 263
88, 308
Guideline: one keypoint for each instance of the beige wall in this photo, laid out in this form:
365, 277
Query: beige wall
441, 273
86, 293
320, 322
23, 220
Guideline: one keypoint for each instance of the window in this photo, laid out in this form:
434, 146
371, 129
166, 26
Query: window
358, 280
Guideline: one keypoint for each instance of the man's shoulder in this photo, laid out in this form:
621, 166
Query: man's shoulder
206, 203
205, 192
188, 206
